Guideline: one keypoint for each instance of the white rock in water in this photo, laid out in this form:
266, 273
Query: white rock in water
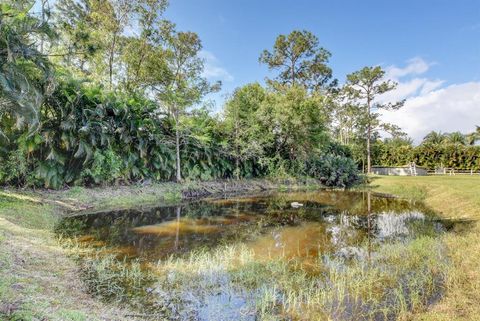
296, 204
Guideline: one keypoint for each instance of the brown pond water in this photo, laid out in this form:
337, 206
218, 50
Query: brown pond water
336, 224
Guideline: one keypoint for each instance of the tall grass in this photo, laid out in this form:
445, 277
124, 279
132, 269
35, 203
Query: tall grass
396, 280
457, 198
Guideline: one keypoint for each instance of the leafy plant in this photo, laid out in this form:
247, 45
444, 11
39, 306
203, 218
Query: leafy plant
25, 72
334, 170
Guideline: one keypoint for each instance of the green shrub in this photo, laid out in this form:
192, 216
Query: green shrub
106, 168
334, 170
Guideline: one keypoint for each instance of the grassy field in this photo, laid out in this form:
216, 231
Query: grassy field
453, 197
38, 280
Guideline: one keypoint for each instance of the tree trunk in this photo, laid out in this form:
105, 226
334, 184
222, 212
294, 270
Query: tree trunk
369, 161
369, 134
237, 152
110, 60
177, 150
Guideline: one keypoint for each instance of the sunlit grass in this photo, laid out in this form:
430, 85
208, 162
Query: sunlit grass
452, 197
37, 280
23, 211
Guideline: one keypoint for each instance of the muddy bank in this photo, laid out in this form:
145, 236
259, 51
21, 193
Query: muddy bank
150, 193
205, 189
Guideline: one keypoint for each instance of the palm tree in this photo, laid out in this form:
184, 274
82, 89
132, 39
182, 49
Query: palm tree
434, 138
474, 137
25, 73
455, 138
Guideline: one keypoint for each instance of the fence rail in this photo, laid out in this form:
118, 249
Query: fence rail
452, 172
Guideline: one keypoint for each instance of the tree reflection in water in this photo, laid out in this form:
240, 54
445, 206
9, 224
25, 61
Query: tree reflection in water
330, 222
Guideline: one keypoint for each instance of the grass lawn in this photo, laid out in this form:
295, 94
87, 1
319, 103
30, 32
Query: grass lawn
454, 197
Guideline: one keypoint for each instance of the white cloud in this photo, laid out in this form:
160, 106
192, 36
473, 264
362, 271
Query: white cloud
213, 70
431, 85
407, 84
411, 88
449, 109
429, 106
415, 66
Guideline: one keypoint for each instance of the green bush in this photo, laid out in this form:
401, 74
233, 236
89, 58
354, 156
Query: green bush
14, 169
106, 168
334, 170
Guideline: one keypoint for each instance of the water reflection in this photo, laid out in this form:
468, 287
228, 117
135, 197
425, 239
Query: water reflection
329, 222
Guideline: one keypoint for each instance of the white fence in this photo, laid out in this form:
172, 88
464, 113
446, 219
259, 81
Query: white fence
453, 172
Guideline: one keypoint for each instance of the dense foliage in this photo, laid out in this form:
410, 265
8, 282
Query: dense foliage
95, 104
437, 150
104, 106
25, 74
90, 136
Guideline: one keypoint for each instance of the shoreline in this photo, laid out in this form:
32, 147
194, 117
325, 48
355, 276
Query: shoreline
38, 277
124, 196
451, 197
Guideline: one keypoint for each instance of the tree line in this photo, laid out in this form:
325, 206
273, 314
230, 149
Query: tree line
110, 91
437, 150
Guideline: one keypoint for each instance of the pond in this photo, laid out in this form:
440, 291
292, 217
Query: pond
280, 256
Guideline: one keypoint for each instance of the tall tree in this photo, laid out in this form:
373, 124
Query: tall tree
25, 73
293, 119
112, 17
140, 49
300, 61
245, 134
181, 85
347, 121
78, 42
364, 87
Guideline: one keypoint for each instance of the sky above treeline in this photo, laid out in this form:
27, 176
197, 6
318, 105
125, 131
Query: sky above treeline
430, 47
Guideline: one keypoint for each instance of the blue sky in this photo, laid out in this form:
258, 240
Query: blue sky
428, 46
358, 33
